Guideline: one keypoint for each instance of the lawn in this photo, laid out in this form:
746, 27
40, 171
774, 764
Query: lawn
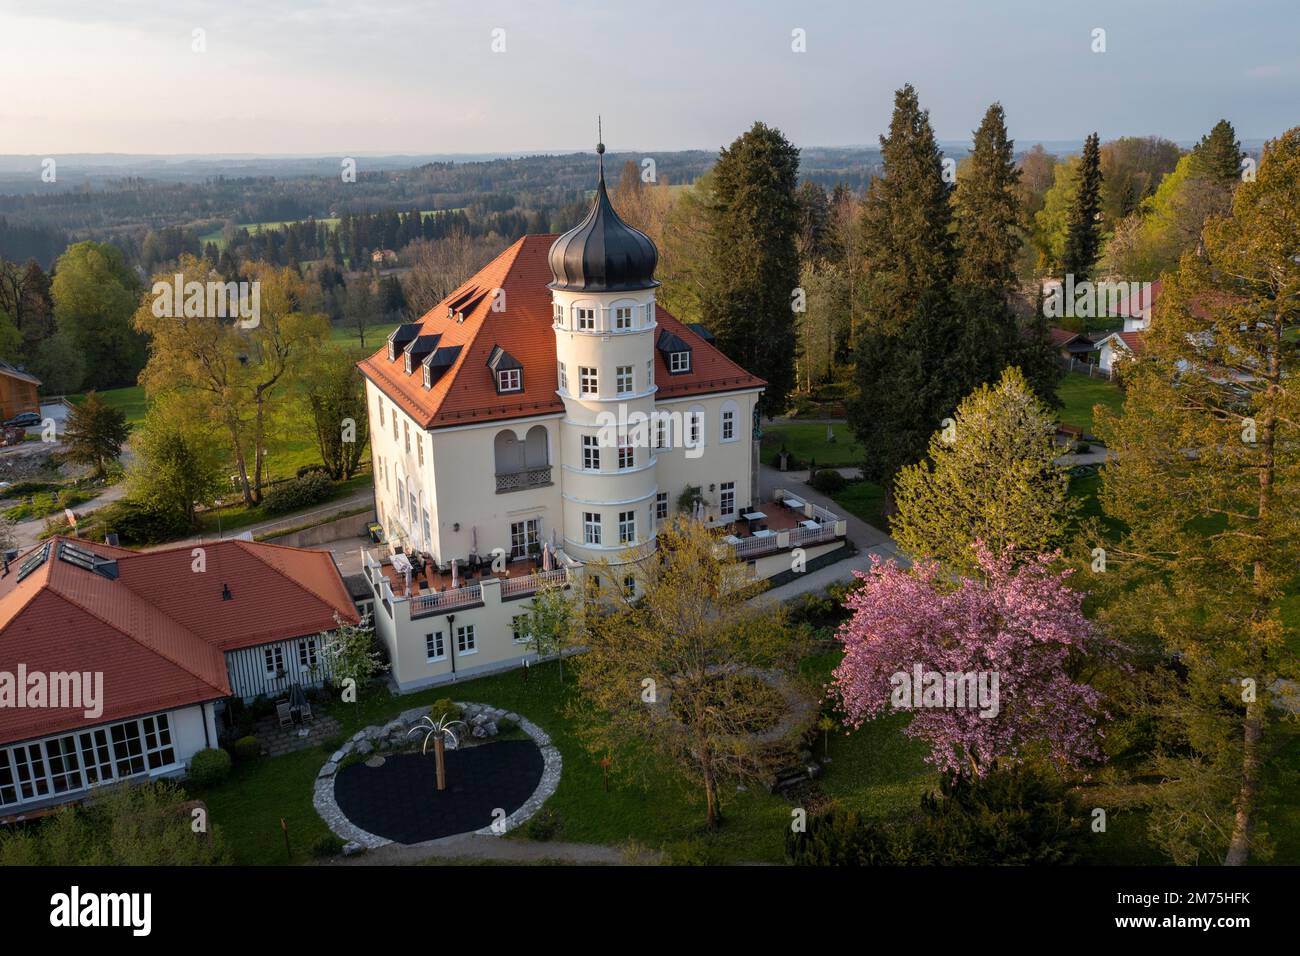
866, 500
1080, 393
130, 400
249, 805
806, 441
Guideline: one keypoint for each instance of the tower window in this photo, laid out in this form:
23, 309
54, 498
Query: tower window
559, 314
586, 319
587, 380
591, 527
591, 452
626, 527
623, 379
623, 317
626, 454
564, 378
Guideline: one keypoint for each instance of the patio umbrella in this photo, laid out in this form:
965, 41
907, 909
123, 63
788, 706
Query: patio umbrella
455, 578
546, 556
473, 540
297, 699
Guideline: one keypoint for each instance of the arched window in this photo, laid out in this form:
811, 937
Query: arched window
536, 443
509, 451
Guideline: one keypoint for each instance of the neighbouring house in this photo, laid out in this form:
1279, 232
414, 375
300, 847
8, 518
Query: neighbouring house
1136, 310
1116, 347
545, 415
383, 257
139, 652
17, 392
1072, 345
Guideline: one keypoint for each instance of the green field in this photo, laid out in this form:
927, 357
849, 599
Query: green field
807, 442
1080, 393
865, 500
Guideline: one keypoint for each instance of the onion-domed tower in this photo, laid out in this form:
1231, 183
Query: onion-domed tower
603, 301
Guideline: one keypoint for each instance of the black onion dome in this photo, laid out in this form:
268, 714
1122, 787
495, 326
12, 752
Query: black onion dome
603, 253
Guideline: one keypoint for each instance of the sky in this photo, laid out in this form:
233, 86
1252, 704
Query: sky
322, 77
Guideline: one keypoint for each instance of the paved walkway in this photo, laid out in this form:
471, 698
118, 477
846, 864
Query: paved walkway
286, 740
473, 846
869, 539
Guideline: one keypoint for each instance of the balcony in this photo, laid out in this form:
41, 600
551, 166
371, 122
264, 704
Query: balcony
509, 481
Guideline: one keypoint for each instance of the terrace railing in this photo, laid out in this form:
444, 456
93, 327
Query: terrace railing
531, 583
522, 480
445, 600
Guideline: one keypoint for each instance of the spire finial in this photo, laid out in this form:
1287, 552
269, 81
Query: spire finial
600, 148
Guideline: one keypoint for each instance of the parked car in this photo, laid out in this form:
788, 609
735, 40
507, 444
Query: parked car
24, 420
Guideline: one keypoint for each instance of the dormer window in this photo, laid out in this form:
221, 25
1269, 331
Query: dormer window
623, 318
676, 353
586, 319
508, 370
428, 379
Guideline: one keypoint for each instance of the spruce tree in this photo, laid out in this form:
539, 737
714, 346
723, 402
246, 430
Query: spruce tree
909, 370
753, 268
1218, 154
1083, 227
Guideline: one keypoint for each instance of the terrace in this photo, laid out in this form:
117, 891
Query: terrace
432, 589
785, 522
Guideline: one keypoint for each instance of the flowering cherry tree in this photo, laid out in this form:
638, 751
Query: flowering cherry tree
1010, 631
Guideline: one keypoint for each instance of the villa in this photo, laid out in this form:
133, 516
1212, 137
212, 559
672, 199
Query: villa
545, 415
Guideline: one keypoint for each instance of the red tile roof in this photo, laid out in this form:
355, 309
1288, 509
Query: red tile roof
467, 394
158, 629
1147, 295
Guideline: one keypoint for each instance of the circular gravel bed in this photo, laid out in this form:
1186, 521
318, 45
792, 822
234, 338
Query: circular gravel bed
491, 787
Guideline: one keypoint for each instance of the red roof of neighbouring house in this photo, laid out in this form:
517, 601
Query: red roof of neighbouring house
1061, 337
521, 325
1133, 341
1147, 295
155, 627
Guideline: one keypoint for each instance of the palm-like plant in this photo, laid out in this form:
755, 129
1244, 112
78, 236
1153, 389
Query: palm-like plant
440, 732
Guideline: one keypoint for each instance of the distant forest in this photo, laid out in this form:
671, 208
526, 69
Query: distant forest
504, 196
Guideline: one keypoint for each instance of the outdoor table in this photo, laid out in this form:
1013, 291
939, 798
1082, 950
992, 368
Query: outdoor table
754, 516
809, 524
792, 503
401, 563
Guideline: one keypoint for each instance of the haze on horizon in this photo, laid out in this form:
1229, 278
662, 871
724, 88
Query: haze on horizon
312, 77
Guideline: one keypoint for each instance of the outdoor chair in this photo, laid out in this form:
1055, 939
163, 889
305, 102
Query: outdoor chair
284, 712
305, 712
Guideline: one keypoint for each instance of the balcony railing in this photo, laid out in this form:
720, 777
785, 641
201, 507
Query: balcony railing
522, 480
444, 600
530, 583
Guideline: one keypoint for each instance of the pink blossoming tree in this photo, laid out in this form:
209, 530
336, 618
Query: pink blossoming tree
1017, 625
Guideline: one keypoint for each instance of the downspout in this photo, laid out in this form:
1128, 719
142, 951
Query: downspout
451, 644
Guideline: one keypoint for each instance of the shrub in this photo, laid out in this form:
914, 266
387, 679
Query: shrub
312, 469
445, 705
138, 523
312, 488
543, 825
209, 767
506, 726
326, 846
828, 481
246, 749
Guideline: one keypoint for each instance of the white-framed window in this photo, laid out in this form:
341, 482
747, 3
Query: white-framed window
401, 497
523, 536
623, 317
564, 378
428, 378
591, 452
650, 313
629, 586
559, 314
510, 380
588, 380
626, 527
590, 527
406, 435
623, 379
435, 648
586, 319
695, 418
650, 373
661, 506
679, 361
465, 640
661, 432
424, 518
727, 498
728, 424
395, 436
307, 652
519, 628
419, 446
626, 454
273, 659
